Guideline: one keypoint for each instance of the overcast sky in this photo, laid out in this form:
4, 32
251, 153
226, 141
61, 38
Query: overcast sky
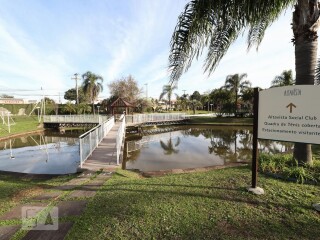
44, 42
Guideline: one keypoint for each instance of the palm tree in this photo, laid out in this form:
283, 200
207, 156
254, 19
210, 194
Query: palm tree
69, 107
216, 24
285, 79
194, 104
168, 90
236, 83
92, 86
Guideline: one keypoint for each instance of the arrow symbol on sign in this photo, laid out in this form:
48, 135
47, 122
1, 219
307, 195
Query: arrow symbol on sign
290, 106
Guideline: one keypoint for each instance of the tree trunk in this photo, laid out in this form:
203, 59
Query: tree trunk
236, 103
305, 26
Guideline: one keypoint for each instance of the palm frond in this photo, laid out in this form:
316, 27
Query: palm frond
216, 24
317, 75
177, 142
164, 146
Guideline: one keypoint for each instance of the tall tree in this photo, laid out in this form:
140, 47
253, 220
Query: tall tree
194, 104
205, 100
247, 96
92, 86
284, 79
71, 95
222, 99
182, 101
216, 24
236, 83
6, 96
195, 96
168, 90
125, 87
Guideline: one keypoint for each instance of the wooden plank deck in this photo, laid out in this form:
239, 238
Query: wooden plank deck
105, 155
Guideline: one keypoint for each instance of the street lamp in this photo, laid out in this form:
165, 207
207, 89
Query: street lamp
98, 109
211, 106
77, 92
38, 108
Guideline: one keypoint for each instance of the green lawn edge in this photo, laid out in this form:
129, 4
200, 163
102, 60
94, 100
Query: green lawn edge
206, 205
21, 125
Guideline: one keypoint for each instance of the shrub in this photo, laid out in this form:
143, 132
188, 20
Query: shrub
284, 166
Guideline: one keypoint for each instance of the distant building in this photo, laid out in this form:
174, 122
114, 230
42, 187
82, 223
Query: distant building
164, 104
16, 101
11, 101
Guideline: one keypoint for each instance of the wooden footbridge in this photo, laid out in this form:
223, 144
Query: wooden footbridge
156, 119
102, 146
62, 121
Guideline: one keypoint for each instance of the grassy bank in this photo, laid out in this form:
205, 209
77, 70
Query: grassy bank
21, 124
210, 205
15, 189
221, 120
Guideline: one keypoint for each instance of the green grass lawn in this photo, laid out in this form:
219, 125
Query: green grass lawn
16, 189
221, 120
22, 124
209, 205
190, 112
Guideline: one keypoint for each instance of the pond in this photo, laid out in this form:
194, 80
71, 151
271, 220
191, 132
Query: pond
183, 147
47, 153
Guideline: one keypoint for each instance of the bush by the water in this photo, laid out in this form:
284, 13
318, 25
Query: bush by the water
286, 167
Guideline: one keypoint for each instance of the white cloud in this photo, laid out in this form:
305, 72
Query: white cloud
115, 39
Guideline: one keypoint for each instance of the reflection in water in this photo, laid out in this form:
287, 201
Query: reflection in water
46, 153
194, 146
169, 147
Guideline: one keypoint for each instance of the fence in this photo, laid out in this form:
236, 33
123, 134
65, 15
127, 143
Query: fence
90, 140
74, 118
120, 136
156, 117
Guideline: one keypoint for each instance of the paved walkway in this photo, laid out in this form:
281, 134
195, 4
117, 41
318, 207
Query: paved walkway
105, 155
70, 198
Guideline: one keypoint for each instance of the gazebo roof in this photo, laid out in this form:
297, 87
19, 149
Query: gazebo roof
120, 102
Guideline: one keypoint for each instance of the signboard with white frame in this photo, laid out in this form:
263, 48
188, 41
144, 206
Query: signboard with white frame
290, 113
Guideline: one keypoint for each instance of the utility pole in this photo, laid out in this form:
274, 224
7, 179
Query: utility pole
76, 78
146, 90
184, 92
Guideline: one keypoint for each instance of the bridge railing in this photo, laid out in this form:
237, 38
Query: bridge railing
120, 136
155, 117
90, 140
74, 118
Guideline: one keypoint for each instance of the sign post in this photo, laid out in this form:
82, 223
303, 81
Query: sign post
254, 189
289, 113
255, 139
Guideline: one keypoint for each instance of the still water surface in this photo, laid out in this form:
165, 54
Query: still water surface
48, 153
161, 148
183, 147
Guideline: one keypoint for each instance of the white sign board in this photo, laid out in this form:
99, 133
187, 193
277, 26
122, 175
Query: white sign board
290, 113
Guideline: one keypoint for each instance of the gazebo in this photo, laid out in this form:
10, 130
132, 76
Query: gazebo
121, 103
